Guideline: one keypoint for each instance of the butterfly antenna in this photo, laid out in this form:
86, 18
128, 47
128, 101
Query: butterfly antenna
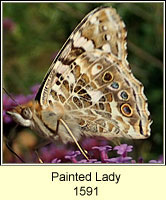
69, 131
11, 97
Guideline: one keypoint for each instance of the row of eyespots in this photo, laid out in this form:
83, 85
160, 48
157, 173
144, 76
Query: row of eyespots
123, 95
125, 108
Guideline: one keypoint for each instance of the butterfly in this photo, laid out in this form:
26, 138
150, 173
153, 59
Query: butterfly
89, 89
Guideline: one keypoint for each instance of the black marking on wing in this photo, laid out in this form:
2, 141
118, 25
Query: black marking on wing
58, 75
64, 46
37, 98
134, 94
140, 127
74, 53
149, 118
127, 82
138, 110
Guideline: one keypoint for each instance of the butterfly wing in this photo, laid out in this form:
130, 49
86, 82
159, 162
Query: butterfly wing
91, 78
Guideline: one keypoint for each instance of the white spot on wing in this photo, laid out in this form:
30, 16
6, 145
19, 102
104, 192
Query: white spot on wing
76, 36
61, 68
106, 48
104, 28
108, 37
94, 20
88, 45
123, 24
80, 41
96, 69
71, 78
119, 35
113, 22
55, 87
95, 95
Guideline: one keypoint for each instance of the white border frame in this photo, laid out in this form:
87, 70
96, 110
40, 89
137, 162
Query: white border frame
86, 164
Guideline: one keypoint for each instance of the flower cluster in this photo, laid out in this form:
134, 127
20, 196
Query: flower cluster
104, 155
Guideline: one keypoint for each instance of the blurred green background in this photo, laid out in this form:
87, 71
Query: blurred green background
35, 32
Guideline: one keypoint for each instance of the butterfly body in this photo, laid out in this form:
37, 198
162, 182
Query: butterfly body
89, 87
45, 122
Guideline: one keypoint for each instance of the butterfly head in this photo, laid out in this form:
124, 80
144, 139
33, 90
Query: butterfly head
22, 114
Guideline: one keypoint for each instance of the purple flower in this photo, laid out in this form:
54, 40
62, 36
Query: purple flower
8, 25
83, 161
94, 161
34, 89
140, 160
160, 160
8, 102
52, 153
21, 99
6, 118
89, 161
72, 156
56, 160
123, 149
103, 151
119, 159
